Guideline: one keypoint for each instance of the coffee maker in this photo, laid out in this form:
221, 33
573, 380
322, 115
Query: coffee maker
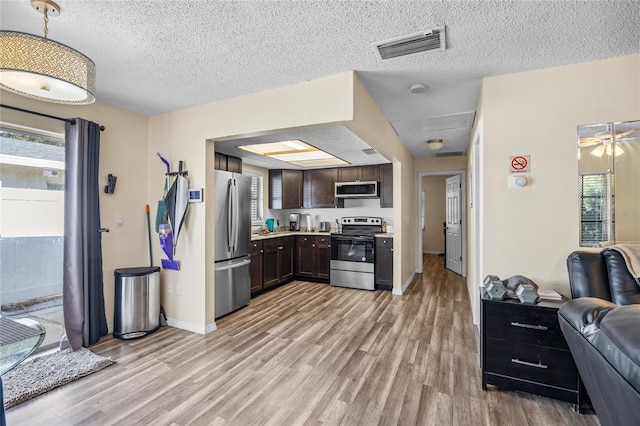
294, 222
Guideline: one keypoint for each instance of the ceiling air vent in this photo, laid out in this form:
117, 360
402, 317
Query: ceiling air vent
369, 151
448, 154
410, 45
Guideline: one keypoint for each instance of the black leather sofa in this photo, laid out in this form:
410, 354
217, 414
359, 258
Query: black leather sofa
603, 336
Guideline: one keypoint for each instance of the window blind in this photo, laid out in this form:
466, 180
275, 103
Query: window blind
596, 199
256, 198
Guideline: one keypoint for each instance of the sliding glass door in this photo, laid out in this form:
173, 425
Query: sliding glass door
32, 166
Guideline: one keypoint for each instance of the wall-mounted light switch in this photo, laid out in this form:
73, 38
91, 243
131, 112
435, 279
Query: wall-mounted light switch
119, 220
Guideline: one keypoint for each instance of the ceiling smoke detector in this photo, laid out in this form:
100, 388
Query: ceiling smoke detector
435, 144
417, 88
412, 44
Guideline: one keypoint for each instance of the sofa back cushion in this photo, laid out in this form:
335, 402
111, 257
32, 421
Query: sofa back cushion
624, 288
588, 275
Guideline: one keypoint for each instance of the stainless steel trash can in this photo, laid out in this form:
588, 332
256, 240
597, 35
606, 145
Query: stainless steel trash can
137, 302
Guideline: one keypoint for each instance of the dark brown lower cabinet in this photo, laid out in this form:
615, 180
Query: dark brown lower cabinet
313, 257
323, 257
277, 261
384, 263
256, 266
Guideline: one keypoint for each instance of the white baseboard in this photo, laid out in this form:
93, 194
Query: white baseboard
432, 252
110, 328
194, 328
210, 328
406, 284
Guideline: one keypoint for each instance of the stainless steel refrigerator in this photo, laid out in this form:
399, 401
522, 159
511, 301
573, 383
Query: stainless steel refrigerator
233, 238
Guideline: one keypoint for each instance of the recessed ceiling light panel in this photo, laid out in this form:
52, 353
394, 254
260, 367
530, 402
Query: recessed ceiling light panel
295, 152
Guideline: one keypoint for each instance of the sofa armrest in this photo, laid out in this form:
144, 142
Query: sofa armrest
588, 275
582, 312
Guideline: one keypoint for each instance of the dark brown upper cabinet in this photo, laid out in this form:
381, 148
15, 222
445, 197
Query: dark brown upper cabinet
285, 189
227, 163
358, 173
386, 185
319, 188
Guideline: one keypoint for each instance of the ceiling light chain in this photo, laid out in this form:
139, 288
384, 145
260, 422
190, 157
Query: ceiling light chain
46, 21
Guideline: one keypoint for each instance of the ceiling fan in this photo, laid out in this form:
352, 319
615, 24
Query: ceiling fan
604, 138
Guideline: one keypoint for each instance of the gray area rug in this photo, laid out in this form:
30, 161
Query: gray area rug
39, 375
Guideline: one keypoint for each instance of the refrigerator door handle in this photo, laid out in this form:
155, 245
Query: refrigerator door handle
229, 215
233, 265
234, 214
237, 215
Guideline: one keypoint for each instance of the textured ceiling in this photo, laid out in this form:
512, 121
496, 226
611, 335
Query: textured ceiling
156, 57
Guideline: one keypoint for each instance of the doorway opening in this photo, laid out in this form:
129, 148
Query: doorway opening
435, 221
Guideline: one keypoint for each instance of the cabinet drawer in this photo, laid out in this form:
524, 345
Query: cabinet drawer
538, 364
256, 248
518, 323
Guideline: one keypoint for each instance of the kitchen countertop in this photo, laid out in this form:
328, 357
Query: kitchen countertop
255, 237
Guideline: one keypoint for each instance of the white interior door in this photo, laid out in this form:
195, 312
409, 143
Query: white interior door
454, 234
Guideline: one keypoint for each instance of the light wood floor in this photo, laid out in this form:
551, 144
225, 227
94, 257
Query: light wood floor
306, 353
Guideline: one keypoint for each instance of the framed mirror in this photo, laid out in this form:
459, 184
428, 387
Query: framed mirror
609, 183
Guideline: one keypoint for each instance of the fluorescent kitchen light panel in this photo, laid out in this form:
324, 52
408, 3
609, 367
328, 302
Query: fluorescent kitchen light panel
295, 152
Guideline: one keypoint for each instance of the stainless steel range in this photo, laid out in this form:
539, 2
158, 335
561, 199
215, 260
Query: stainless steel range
353, 253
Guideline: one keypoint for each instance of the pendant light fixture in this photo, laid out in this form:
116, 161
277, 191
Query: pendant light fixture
43, 69
435, 144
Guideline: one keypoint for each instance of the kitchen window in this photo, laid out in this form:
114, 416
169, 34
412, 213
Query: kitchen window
257, 204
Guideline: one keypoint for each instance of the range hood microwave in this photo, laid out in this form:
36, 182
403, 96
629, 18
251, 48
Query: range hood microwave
368, 189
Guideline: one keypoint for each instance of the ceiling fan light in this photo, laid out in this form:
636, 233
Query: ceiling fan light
598, 151
435, 144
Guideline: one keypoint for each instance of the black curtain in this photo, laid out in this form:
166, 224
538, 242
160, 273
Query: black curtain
82, 289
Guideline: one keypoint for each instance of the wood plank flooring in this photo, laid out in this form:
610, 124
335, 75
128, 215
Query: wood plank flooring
306, 353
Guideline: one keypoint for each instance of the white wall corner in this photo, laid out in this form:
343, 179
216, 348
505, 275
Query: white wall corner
194, 328
406, 284
210, 328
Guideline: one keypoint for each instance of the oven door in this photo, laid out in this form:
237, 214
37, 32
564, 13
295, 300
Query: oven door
352, 248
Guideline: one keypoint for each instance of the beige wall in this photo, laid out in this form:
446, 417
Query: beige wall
371, 125
189, 135
434, 188
531, 231
123, 152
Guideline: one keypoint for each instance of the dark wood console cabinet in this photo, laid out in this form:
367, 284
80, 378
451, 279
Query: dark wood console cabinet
522, 348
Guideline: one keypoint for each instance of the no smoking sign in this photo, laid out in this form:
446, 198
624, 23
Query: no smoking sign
519, 164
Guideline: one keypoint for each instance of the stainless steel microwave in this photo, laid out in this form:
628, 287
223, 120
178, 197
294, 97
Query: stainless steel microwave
367, 189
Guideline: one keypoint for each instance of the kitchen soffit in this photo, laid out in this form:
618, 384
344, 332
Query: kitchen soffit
336, 140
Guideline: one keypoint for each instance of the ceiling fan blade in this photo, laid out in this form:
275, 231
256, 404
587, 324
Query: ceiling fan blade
588, 143
622, 135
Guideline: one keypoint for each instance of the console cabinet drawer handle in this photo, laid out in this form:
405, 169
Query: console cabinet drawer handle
529, 364
531, 326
